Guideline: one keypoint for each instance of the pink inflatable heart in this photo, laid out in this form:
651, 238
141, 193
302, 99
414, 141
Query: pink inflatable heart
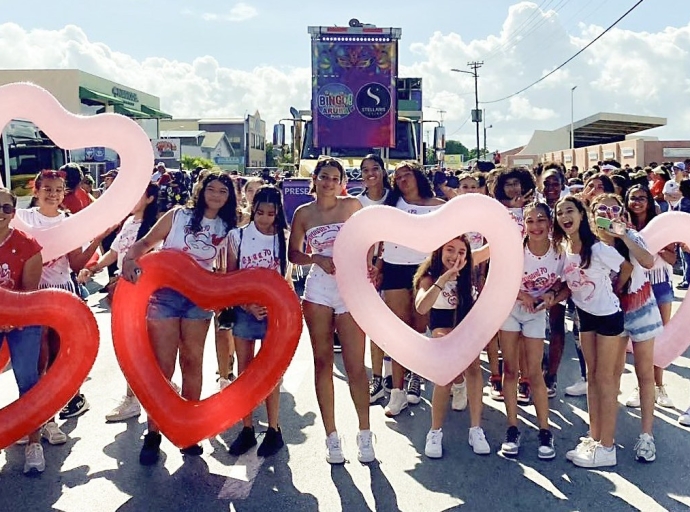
439, 359
663, 230
69, 131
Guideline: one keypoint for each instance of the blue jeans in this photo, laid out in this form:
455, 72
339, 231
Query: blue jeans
685, 263
24, 345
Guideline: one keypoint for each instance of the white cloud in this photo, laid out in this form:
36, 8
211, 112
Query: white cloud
239, 12
629, 72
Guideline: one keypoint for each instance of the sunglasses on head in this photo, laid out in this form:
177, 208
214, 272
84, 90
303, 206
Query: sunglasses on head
51, 173
7, 209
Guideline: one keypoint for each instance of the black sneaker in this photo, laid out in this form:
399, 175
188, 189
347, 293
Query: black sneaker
194, 450
245, 440
337, 347
551, 385
150, 452
414, 391
273, 441
524, 393
496, 388
76, 407
511, 445
388, 383
376, 391
546, 449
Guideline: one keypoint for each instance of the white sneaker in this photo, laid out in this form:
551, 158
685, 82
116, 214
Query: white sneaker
459, 392
52, 433
223, 383
23, 441
434, 446
596, 457
478, 441
334, 449
365, 447
684, 419
34, 460
396, 403
645, 449
585, 443
662, 397
634, 399
577, 389
127, 408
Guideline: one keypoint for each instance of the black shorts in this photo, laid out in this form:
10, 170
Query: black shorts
397, 277
607, 325
441, 319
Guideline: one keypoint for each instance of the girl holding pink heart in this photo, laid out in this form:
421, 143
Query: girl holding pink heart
587, 271
318, 223
445, 292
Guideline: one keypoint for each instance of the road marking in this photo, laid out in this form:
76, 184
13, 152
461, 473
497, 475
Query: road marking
238, 484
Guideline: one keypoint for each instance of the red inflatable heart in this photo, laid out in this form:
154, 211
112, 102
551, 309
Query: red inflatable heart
4, 356
78, 332
187, 422
663, 230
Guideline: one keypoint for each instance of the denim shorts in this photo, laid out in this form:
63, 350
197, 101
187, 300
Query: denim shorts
248, 327
531, 325
167, 303
663, 292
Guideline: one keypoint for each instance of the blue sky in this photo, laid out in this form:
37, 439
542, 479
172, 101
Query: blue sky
238, 57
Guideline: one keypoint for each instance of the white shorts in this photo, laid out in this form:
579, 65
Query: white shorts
321, 288
531, 325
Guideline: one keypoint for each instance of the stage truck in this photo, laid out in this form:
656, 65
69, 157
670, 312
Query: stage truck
359, 105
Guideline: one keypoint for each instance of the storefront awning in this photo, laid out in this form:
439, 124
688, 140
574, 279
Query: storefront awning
129, 112
99, 97
155, 112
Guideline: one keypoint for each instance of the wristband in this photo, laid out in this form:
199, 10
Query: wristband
438, 286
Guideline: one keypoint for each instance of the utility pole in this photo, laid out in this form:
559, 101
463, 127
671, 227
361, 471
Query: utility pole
476, 113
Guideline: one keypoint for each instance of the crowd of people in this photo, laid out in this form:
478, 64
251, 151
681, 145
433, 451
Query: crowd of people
584, 257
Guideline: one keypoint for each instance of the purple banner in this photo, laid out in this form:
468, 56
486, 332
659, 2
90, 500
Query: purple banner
295, 194
354, 98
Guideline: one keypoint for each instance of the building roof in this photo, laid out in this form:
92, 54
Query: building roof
220, 120
607, 127
212, 139
180, 134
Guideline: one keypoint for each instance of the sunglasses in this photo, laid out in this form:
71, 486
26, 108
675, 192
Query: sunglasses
615, 210
51, 173
7, 209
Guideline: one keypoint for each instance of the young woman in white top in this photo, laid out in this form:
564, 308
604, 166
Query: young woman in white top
318, 223
175, 324
412, 193
377, 187
539, 290
260, 244
49, 192
587, 271
143, 218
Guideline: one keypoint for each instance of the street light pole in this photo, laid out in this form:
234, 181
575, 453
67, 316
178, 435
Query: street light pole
476, 114
572, 116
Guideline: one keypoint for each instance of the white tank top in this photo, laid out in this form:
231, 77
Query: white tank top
322, 238
399, 254
56, 273
366, 201
204, 246
447, 298
256, 250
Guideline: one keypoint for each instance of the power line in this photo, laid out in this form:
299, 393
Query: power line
461, 126
569, 60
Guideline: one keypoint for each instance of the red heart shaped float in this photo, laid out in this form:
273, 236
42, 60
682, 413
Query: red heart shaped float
187, 422
4, 356
78, 331
70, 131
666, 229
438, 359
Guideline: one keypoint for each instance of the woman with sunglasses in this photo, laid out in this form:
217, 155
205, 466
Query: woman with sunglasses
412, 193
20, 258
318, 223
49, 193
642, 209
642, 320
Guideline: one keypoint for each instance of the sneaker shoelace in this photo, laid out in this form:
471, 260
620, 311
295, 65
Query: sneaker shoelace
413, 387
479, 434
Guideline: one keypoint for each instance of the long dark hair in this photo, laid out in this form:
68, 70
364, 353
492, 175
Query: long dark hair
150, 212
271, 195
433, 267
587, 237
376, 158
527, 183
228, 212
424, 188
650, 213
326, 161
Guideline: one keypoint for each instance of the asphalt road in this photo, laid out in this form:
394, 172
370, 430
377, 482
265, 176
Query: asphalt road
98, 468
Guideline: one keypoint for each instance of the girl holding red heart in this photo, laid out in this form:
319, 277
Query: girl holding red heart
587, 271
318, 223
175, 324
260, 244
20, 270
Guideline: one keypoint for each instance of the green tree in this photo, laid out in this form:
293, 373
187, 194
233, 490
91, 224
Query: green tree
270, 157
192, 162
455, 147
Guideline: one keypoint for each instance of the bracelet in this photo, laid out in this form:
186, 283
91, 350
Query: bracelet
438, 286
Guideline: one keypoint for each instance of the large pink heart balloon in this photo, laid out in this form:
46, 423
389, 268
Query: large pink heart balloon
438, 359
69, 131
663, 230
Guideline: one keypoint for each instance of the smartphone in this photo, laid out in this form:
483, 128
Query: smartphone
453, 182
604, 223
618, 228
